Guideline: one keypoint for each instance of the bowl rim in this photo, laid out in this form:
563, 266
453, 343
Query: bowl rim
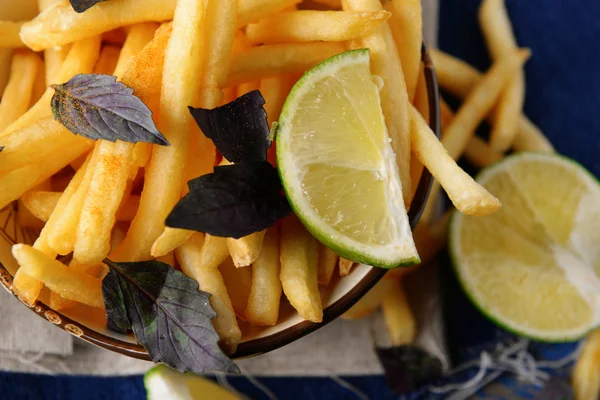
281, 338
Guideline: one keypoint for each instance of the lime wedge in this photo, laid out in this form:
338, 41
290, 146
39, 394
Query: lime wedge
163, 383
533, 267
337, 164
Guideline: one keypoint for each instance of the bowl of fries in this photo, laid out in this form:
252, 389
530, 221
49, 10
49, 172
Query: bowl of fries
69, 203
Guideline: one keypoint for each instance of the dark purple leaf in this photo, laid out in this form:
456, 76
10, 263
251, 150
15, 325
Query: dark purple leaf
239, 129
82, 5
99, 107
169, 316
234, 201
407, 368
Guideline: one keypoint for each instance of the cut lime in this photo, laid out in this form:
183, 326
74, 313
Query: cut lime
338, 167
163, 383
534, 266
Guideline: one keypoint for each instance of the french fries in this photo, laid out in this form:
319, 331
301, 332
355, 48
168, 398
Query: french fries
328, 260
497, 31
468, 196
109, 56
480, 101
61, 25
19, 10
238, 282
265, 292
345, 266
399, 319
279, 59
586, 374
255, 10
407, 27
9, 34
59, 278
310, 26
246, 250
17, 95
299, 264
5, 63
210, 280
480, 154
385, 62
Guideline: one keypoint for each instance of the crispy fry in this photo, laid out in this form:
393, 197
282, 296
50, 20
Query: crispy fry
18, 92
165, 174
446, 115
280, 59
299, 269
370, 301
586, 374
407, 28
61, 25
345, 266
459, 78
191, 259
310, 26
331, 4
275, 91
80, 60
59, 278
498, 33
53, 60
5, 62
246, 250
481, 154
468, 196
9, 34
255, 10
480, 101
19, 10
328, 260
385, 62
247, 87
26, 219
238, 282
399, 319
265, 291
431, 239
110, 175
219, 32
168, 258
107, 61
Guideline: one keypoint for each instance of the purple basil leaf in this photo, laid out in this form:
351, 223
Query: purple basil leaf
239, 130
99, 107
82, 5
169, 316
117, 318
234, 201
407, 368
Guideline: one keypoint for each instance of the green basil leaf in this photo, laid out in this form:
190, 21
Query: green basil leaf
239, 130
169, 316
234, 201
82, 5
99, 107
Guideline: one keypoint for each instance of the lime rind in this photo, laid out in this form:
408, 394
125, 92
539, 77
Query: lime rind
456, 218
400, 254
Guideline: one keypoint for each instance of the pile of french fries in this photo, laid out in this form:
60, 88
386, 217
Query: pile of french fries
94, 200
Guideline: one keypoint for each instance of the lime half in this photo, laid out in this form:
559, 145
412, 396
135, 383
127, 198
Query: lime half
163, 383
338, 167
534, 266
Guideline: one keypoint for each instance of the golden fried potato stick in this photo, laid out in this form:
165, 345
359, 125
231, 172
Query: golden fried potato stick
279, 59
109, 56
586, 374
311, 26
61, 25
331, 4
19, 10
17, 95
111, 173
247, 87
345, 266
328, 260
500, 38
385, 62
265, 291
468, 196
81, 60
481, 154
245, 251
5, 63
238, 282
459, 78
210, 280
53, 57
67, 282
165, 173
299, 269
480, 101
399, 319
255, 10
407, 27
219, 30
9, 34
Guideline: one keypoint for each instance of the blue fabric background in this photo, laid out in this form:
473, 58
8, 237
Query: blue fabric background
563, 89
